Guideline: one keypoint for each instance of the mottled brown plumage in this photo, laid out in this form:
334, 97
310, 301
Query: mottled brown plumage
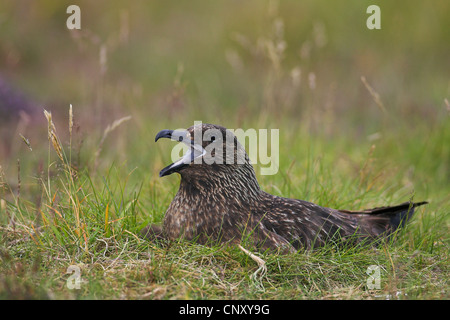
223, 202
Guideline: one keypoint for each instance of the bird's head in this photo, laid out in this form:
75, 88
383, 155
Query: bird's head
210, 146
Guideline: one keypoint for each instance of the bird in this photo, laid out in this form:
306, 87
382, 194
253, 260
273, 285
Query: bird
219, 201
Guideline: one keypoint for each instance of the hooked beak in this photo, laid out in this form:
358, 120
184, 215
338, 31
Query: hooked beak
195, 150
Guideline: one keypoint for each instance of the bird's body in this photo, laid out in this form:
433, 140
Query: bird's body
223, 202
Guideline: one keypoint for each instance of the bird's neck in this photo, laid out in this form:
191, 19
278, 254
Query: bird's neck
230, 182
211, 197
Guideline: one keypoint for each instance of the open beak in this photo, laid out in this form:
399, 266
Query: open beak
194, 151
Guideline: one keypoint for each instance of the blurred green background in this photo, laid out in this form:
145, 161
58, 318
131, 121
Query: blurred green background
292, 65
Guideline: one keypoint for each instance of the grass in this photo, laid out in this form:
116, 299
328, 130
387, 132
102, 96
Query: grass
360, 126
95, 225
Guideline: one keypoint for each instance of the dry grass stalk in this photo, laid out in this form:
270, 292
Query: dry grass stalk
260, 272
107, 131
26, 141
70, 120
374, 94
52, 137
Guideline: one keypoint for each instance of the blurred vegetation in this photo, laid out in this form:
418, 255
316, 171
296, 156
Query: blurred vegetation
362, 113
238, 64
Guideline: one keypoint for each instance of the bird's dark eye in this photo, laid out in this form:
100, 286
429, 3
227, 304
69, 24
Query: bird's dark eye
180, 138
213, 138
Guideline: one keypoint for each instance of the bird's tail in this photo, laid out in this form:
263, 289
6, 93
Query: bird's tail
403, 214
385, 220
